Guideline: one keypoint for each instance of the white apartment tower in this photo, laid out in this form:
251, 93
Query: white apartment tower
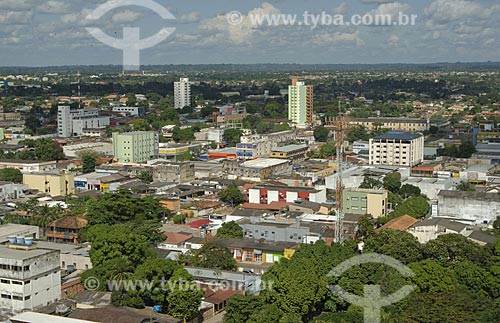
397, 148
182, 93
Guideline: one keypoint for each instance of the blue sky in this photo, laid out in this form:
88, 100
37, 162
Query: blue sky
41, 33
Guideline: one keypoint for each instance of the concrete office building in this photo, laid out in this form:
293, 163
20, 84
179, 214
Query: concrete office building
74, 122
135, 147
402, 124
295, 153
182, 93
29, 278
397, 148
300, 103
365, 201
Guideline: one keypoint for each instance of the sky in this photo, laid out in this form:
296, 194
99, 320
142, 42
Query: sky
53, 32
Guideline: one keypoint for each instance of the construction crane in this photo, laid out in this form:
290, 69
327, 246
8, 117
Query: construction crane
340, 126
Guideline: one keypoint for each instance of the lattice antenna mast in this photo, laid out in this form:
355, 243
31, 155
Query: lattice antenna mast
340, 128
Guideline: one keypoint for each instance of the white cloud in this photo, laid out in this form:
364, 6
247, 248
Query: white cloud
15, 17
389, 9
126, 16
54, 7
18, 5
188, 18
444, 11
326, 38
242, 32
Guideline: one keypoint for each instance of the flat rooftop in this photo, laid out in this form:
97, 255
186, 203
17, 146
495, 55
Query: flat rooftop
30, 317
263, 162
289, 148
14, 229
7, 253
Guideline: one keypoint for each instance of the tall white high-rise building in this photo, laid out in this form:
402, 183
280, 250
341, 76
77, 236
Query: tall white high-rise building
182, 93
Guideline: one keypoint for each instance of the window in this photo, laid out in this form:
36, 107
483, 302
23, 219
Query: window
5, 296
355, 198
4, 281
249, 256
14, 282
354, 207
17, 298
258, 258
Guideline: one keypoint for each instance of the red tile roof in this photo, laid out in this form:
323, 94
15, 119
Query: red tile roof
402, 223
199, 223
176, 238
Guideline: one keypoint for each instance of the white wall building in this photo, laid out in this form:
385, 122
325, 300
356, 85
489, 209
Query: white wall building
133, 111
28, 278
73, 122
182, 93
397, 148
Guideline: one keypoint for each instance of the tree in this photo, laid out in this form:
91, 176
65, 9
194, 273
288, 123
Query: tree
408, 190
365, 226
232, 136
89, 158
416, 206
357, 133
232, 195
392, 182
465, 186
398, 244
11, 175
141, 125
371, 183
179, 218
321, 134
213, 255
44, 149
184, 304
146, 176
183, 135
230, 230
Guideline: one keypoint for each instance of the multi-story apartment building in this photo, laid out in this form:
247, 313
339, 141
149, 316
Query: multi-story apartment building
182, 93
487, 132
295, 153
53, 184
74, 122
300, 103
29, 278
254, 146
365, 201
266, 194
403, 124
397, 148
257, 169
171, 172
135, 147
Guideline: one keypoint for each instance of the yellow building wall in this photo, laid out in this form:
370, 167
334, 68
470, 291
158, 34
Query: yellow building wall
54, 185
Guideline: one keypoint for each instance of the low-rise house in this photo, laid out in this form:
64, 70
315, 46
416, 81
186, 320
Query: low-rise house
401, 223
257, 169
29, 166
174, 241
67, 229
259, 252
432, 228
295, 153
482, 238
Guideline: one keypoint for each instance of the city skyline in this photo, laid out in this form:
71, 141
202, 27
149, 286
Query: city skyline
53, 33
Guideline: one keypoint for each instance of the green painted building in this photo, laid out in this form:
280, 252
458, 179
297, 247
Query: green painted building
135, 147
365, 201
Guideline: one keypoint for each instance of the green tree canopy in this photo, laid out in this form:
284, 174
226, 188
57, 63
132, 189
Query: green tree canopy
11, 175
213, 255
230, 230
392, 182
232, 195
415, 206
321, 134
232, 136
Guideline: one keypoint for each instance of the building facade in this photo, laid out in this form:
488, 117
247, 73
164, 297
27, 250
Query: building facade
52, 184
295, 153
402, 124
135, 147
266, 194
181, 172
73, 122
300, 103
133, 111
182, 93
397, 148
365, 201
257, 169
29, 278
